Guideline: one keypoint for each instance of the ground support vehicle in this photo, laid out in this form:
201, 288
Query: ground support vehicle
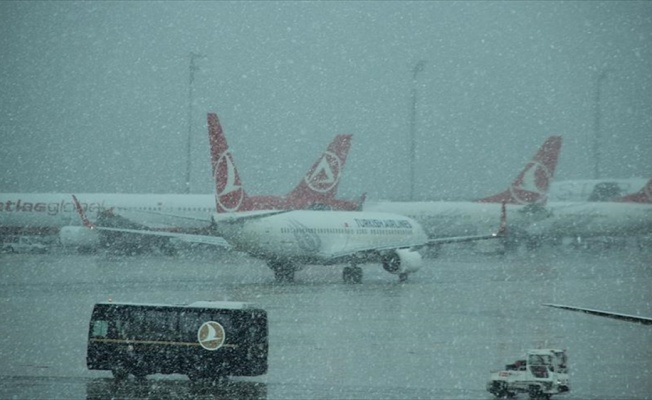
542, 374
22, 244
207, 341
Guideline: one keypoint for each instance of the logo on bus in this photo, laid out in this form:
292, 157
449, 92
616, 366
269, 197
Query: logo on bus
211, 335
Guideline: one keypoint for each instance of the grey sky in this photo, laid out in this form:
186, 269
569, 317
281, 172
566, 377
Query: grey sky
94, 95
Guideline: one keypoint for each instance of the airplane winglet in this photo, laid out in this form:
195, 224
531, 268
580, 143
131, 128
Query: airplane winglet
363, 198
81, 213
502, 231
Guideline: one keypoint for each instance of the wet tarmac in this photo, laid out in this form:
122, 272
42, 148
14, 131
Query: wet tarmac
436, 336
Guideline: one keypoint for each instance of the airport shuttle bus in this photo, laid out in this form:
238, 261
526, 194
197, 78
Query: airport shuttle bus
203, 340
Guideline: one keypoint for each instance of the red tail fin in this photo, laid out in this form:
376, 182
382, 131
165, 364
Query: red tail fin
229, 193
321, 181
642, 196
531, 185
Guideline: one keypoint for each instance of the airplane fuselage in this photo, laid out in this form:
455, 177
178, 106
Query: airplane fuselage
583, 189
321, 236
48, 212
452, 218
556, 219
587, 219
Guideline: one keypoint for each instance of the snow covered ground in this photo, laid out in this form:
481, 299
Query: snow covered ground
436, 336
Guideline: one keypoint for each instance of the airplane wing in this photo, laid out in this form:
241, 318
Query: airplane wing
502, 232
607, 314
365, 254
245, 215
170, 215
372, 252
462, 239
185, 237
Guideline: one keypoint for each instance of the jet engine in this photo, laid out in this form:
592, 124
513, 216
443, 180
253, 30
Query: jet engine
402, 261
79, 237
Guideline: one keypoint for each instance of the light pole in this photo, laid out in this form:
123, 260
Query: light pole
193, 67
597, 117
418, 67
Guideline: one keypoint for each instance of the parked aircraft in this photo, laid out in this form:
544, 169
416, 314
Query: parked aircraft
54, 213
607, 314
592, 219
317, 190
526, 197
288, 240
594, 189
628, 216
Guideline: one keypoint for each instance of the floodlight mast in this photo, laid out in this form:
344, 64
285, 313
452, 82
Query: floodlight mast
597, 121
192, 69
418, 67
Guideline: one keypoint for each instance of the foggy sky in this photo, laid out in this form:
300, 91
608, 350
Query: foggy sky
94, 95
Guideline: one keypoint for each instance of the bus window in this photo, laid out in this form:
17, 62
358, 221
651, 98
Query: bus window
159, 325
100, 329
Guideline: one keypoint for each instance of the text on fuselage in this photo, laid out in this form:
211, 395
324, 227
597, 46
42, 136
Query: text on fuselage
53, 208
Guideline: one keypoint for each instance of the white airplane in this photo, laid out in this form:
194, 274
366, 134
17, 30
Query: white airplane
594, 189
625, 217
54, 213
623, 317
288, 240
526, 197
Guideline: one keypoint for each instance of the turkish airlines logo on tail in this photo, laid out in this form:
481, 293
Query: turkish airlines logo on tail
227, 183
532, 185
326, 173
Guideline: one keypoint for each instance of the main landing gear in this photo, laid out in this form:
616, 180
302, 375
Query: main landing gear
283, 271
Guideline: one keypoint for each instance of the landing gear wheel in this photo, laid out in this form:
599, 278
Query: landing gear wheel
284, 275
535, 393
352, 274
499, 390
402, 277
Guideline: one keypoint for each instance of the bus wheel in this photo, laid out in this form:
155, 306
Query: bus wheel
196, 375
140, 376
120, 373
